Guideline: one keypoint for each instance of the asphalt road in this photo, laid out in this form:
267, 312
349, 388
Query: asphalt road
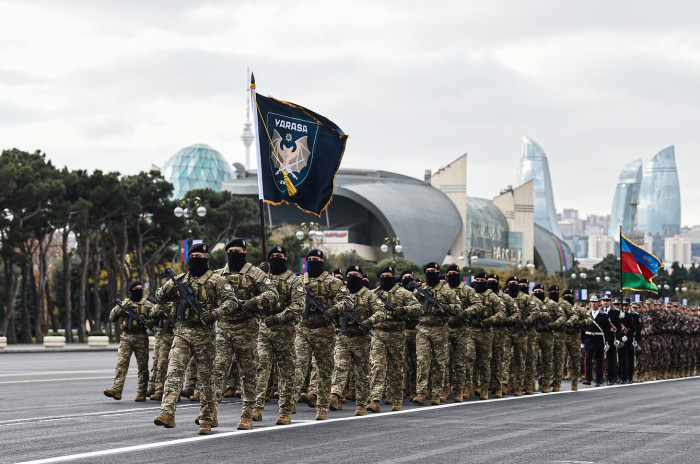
52, 410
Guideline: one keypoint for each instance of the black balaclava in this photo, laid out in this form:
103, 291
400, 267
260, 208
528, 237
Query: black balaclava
432, 278
540, 295
569, 297
407, 281
513, 289
493, 285
354, 283
198, 266
453, 280
314, 268
236, 260
277, 265
386, 283
135, 295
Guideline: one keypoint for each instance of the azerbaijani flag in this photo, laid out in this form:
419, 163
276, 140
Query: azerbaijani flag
638, 267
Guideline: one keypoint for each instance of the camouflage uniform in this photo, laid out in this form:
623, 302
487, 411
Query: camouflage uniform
498, 350
576, 317
353, 346
237, 332
316, 335
554, 318
132, 340
514, 348
164, 342
277, 342
523, 376
459, 336
388, 346
479, 348
432, 340
194, 338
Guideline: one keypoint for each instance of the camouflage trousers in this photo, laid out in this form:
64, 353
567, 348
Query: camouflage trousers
545, 342
500, 334
558, 356
351, 352
138, 345
458, 356
410, 362
531, 353
160, 357
479, 346
276, 347
572, 349
387, 358
192, 384
236, 342
431, 358
514, 360
200, 343
318, 343
154, 362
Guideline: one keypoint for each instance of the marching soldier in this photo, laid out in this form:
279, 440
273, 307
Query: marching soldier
194, 334
388, 344
237, 332
531, 314
614, 324
132, 315
166, 325
409, 283
595, 335
432, 335
352, 346
551, 317
515, 340
326, 299
625, 349
500, 333
576, 317
276, 337
558, 337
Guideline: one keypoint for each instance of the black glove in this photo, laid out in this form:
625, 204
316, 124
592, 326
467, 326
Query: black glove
330, 314
119, 311
271, 321
251, 306
209, 317
366, 325
265, 267
400, 311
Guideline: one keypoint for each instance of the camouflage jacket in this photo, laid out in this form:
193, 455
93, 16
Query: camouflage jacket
292, 296
492, 309
442, 292
142, 308
402, 300
471, 303
211, 290
512, 311
576, 316
366, 306
331, 293
529, 309
164, 322
553, 314
250, 283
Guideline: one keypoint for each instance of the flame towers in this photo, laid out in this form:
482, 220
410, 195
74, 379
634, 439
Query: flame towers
626, 200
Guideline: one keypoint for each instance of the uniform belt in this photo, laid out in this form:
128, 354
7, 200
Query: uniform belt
396, 328
191, 324
237, 321
594, 333
352, 333
432, 324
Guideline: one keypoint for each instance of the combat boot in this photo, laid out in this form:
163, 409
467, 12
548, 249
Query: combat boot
510, 388
544, 388
445, 395
113, 393
419, 399
157, 396
530, 390
313, 399
518, 392
397, 405
468, 392
373, 406
350, 395
246, 422
237, 394
151, 392
387, 400
498, 393
574, 385
257, 414
459, 395
556, 388
484, 394
284, 419
335, 402
166, 420
321, 415
186, 393
229, 393
304, 398
204, 429
361, 410
140, 398
435, 400
195, 396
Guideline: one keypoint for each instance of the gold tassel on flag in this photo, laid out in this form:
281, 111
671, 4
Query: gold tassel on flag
291, 190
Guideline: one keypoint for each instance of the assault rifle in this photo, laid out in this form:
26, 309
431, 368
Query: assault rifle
394, 310
429, 298
129, 310
187, 298
312, 302
170, 321
349, 315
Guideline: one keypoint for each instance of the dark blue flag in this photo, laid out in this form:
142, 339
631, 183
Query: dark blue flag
299, 153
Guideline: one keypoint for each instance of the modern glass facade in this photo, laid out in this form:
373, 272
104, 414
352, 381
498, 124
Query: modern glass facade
534, 165
487, 228
197, 167
624, 208
660, 199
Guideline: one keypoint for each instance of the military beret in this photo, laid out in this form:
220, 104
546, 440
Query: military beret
494, 276
511, 279
277, 249
568, 291
236, 242
625, 301
593, 299
198, 248
353, 268
432, 265
135, 283
384, 270
406, 272
480, 275
315, 252
452, 268
523, 280
336, 271
538, 287
553, 288
605, 297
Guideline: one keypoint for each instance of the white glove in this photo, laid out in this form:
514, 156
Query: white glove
624, 338
582, 347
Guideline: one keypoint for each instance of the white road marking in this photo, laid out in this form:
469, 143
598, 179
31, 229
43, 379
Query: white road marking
295, 424
34, 373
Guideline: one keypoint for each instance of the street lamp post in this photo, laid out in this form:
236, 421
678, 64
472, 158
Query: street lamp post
187, 208
395, 245
310, 230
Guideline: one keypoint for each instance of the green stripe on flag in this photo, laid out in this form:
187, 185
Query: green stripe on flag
632, 281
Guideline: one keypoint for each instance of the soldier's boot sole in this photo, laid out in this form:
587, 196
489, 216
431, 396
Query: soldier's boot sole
257, 415
165, 420
284, 419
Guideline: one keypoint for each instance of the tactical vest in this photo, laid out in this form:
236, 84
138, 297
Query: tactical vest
393, 300
321, 290
487, 309
243, 282
206, 299
140, 309
284, 287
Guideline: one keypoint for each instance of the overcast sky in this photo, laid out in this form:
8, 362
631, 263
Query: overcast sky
118, 85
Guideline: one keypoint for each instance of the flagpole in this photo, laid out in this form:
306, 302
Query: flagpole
622, 292
263, 235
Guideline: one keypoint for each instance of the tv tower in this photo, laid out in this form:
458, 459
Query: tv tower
247, 135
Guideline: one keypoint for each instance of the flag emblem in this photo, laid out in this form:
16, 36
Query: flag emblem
293, 148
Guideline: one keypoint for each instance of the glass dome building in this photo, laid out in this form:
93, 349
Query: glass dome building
197, 167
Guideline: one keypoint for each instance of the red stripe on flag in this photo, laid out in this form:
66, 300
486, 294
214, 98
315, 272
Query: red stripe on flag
631, 265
